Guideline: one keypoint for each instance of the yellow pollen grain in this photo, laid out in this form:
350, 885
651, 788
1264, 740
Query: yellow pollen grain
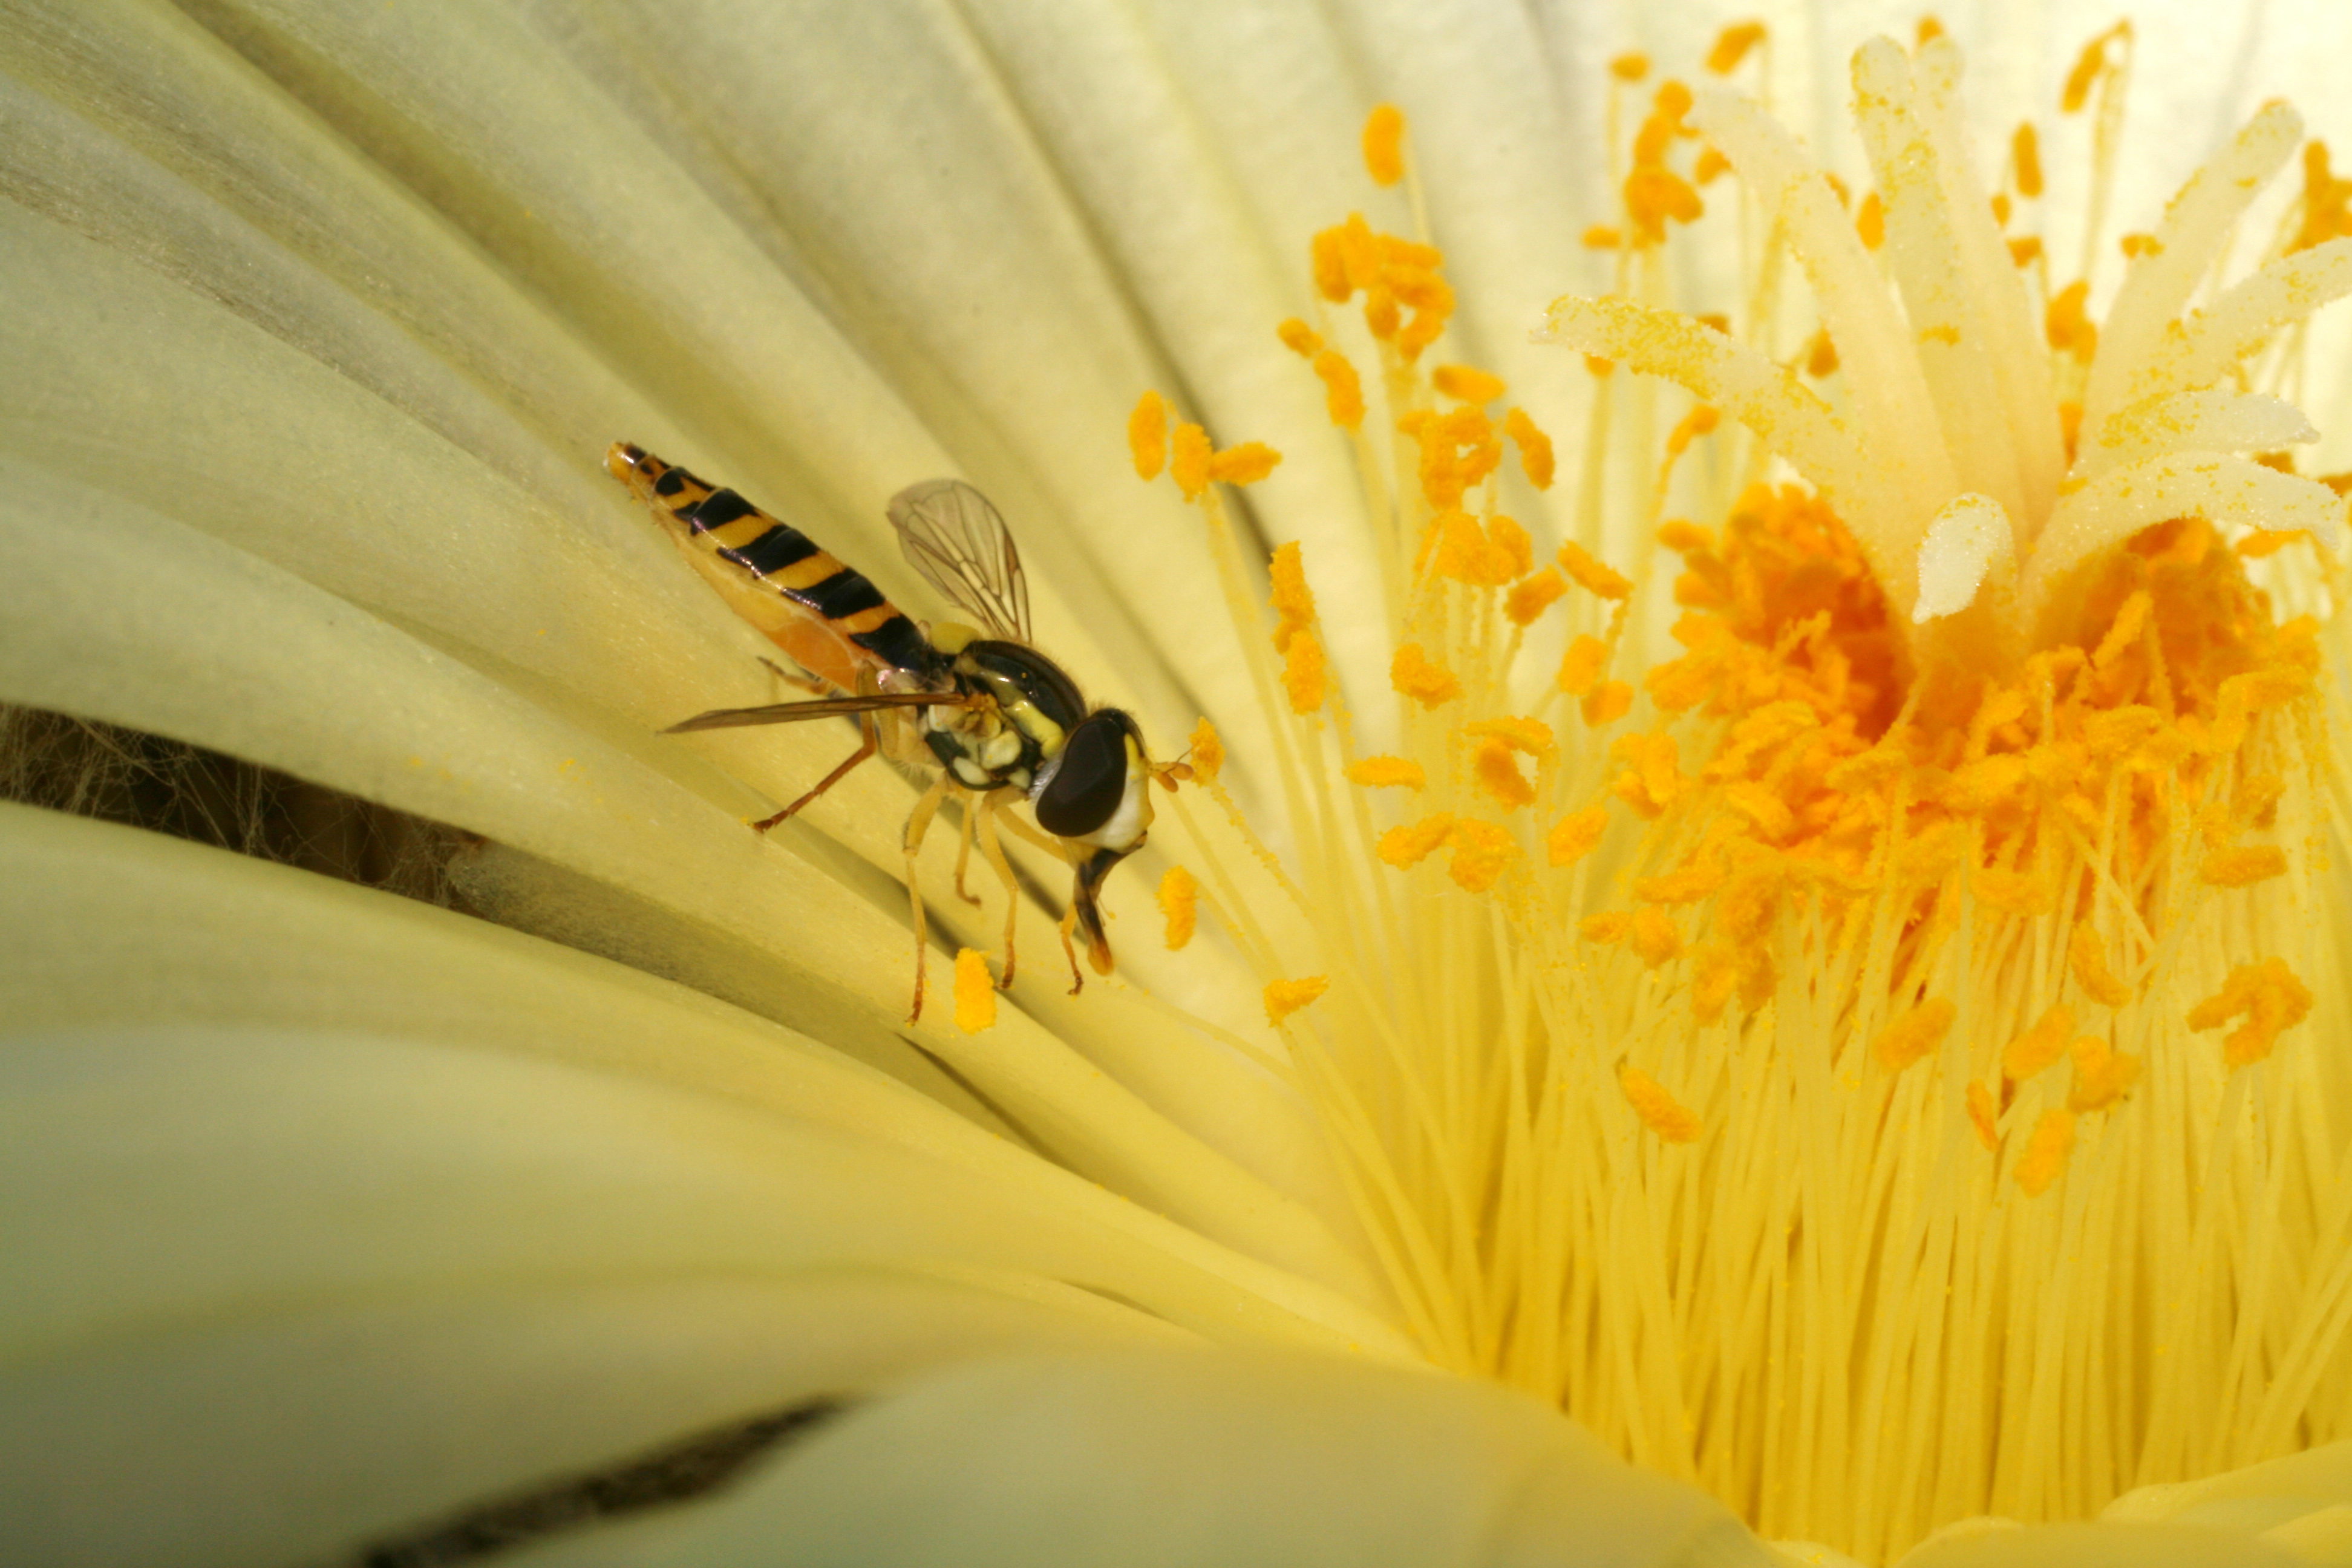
1581, 667
975, 992
1189, 462
1306, 676
1328, 266
1146, 435
1654, 781
1576, 835
1529, 599
1496, 768
1482, 851
2086, 957
2134, 245
1601, 237
1416, 675
1384, 144
1284, 997
1712, 165
1870, 221
1656, 940
2242, 866
1660, 1112
1732, 46
2102, 1074
1982, 1115
1208, 753
1180, 901
1915, 1033
2000, 216
1244, 465
2047, 1152
1714, 974
1343, 392
1930, 29
1598, 366
2025, 251
2025, 159
1407, 846
1607, 703
1629, 67
1299, 338
1535, 459
2269, 995
1592, 576
1388, 773
2039, 1046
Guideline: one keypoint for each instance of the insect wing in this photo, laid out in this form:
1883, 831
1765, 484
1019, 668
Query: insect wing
960, 544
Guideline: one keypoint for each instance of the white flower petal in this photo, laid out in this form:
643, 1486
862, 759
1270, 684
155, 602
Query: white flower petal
410, 1404
1149, 1458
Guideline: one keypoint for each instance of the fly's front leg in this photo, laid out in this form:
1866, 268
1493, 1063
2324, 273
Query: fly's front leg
867, 743
1053, 846
919, 821
994, 851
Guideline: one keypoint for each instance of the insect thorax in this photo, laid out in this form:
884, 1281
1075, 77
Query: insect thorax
1027, 716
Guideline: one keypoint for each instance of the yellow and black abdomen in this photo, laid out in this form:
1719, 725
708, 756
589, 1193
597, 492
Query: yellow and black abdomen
837, 619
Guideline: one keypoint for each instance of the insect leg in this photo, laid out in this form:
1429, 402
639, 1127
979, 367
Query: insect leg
963, 856
1069, 924
919, 821
990, 848
867, 743
808, 683
1054, 846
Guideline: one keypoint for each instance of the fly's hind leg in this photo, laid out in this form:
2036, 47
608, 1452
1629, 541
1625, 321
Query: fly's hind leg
919, 821
808, 683
995, 851
868, 741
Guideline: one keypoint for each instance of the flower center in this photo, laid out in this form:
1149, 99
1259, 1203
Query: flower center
1849, 1062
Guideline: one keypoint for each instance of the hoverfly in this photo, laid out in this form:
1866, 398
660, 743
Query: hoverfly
999, 720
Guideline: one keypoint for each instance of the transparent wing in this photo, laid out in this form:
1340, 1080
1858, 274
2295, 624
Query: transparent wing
822, 708
961, 546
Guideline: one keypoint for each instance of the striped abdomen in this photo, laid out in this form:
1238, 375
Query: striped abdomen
781, 560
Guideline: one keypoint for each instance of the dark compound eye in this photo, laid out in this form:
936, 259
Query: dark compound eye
1091, 781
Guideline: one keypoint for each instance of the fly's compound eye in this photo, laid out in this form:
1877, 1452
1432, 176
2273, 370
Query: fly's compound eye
1089, 780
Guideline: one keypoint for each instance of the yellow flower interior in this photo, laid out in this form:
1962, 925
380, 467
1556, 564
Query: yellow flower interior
1801, 1058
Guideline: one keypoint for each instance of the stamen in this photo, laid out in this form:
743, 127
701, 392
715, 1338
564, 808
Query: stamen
1179, 900
975, 992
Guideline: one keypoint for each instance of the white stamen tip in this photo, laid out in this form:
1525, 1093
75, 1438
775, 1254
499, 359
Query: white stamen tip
1968, 542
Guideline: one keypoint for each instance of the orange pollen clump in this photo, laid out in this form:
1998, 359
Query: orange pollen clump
1467, 384
2269, 995
1732, 46
1659, 1110
1535, 447
1576, 835
1180, 896
1384, 144
1497, 767
1343, 393
2047, 1152
1388, 773
1188, 465
1393, 275
1146, 435
1530, 598
975, 992
1416, 675
2025, 159
2039, 1046
1591, 575
1284, 997
1306, 676
1244, 465
1404, 848
1482, 851
1294, 601
1207, 753
1914, 1034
